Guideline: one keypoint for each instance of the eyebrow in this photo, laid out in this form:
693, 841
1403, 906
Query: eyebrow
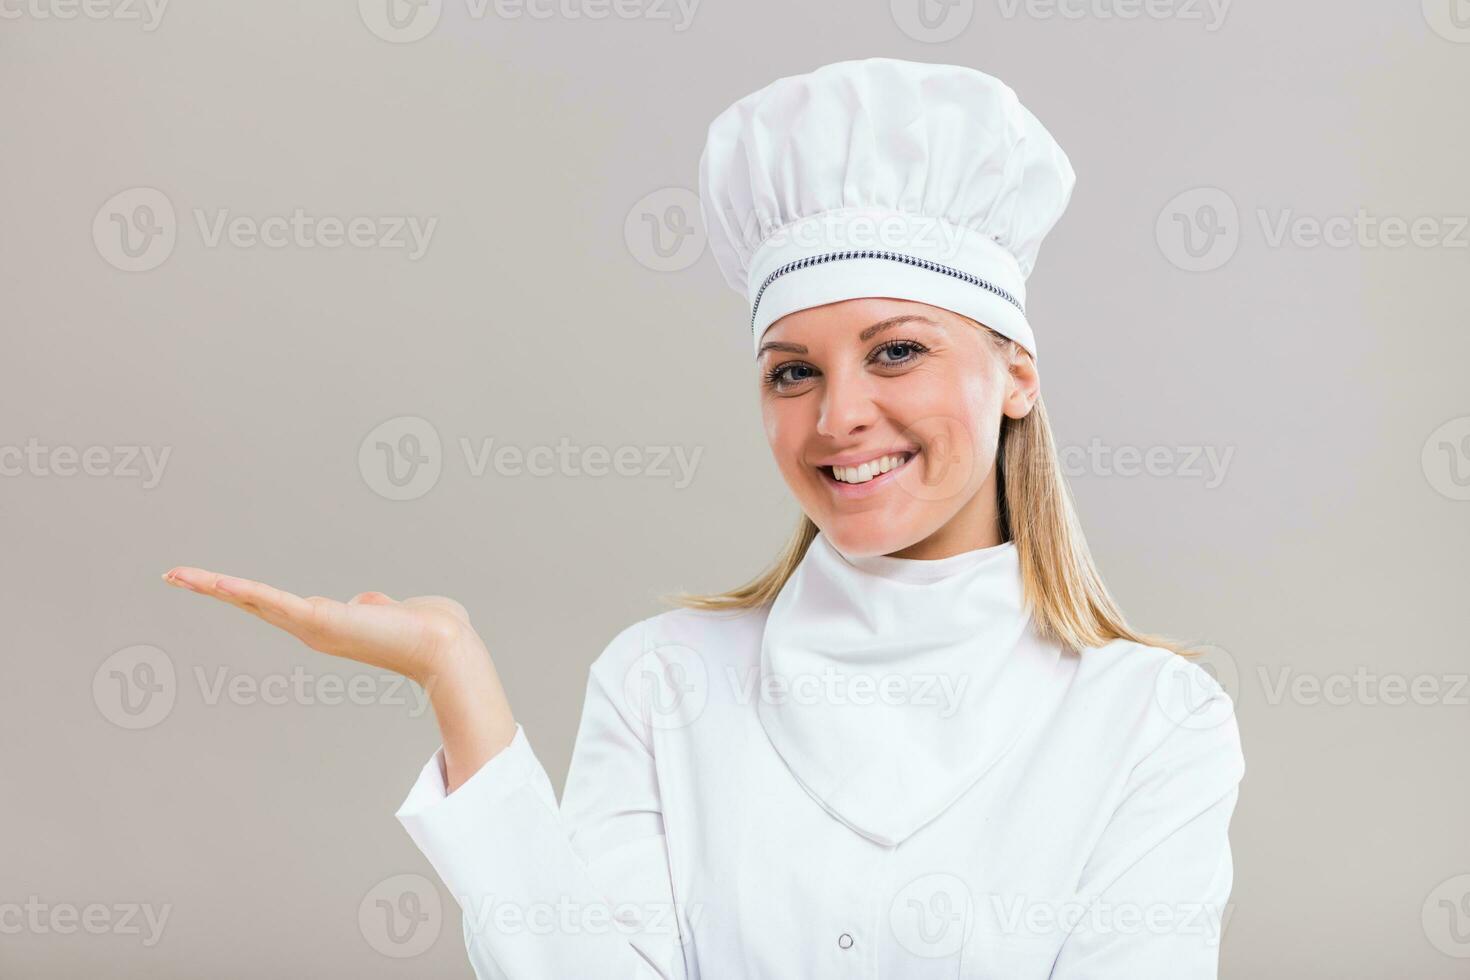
868, 333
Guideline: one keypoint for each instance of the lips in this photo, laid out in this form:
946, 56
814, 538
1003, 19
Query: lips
865, 472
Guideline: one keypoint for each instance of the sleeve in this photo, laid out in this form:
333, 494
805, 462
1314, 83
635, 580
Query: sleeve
1160, 875
580, 891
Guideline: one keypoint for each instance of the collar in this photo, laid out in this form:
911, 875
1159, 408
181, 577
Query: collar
889, 686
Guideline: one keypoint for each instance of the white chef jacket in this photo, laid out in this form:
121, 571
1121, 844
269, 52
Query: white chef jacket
1095, 846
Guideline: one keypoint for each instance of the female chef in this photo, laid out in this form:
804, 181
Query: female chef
925, 743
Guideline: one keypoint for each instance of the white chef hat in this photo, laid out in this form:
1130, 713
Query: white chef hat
881, 177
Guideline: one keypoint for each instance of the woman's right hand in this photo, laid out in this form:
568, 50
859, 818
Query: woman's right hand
428, 639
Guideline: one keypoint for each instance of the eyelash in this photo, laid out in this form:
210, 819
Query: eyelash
773, 376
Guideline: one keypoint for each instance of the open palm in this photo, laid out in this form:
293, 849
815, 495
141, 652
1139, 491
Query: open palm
410, 637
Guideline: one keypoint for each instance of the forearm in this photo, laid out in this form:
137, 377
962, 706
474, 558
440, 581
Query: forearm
474, 716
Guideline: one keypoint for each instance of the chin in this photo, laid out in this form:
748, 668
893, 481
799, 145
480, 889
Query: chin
875, 533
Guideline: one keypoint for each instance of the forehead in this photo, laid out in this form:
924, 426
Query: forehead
851, 321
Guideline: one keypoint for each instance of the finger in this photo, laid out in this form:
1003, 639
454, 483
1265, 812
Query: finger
276, 606
370, 599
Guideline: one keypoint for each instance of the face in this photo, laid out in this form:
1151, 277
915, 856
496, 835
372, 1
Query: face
884, 418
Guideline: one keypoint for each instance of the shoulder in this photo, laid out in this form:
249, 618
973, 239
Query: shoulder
1137, 672
1167, 702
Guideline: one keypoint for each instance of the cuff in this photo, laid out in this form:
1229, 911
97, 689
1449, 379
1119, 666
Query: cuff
501, 775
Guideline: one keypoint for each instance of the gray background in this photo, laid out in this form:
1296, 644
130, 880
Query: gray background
1331, 550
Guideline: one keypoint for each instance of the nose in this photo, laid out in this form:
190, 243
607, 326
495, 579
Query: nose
847, 404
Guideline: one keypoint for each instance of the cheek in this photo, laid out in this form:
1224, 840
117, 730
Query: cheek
785, 431
955, 419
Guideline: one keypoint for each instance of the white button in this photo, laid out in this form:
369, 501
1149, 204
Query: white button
845, 941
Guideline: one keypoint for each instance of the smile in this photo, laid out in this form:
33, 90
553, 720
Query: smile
875, 470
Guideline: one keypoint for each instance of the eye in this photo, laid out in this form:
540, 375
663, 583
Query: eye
787, 375
903, 351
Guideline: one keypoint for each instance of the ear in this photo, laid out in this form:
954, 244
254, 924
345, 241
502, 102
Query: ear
1023, 385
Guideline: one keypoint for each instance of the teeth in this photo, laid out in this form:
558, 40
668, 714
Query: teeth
868, 470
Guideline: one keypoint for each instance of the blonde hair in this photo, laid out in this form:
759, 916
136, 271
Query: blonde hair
1068, 600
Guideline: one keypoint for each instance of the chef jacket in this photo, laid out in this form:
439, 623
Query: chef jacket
741, 800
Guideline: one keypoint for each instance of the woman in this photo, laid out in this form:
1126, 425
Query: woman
925, 743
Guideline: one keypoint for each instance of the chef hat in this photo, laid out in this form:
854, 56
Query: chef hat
881, 177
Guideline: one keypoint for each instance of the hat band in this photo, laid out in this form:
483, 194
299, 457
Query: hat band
925, 264
850, 253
